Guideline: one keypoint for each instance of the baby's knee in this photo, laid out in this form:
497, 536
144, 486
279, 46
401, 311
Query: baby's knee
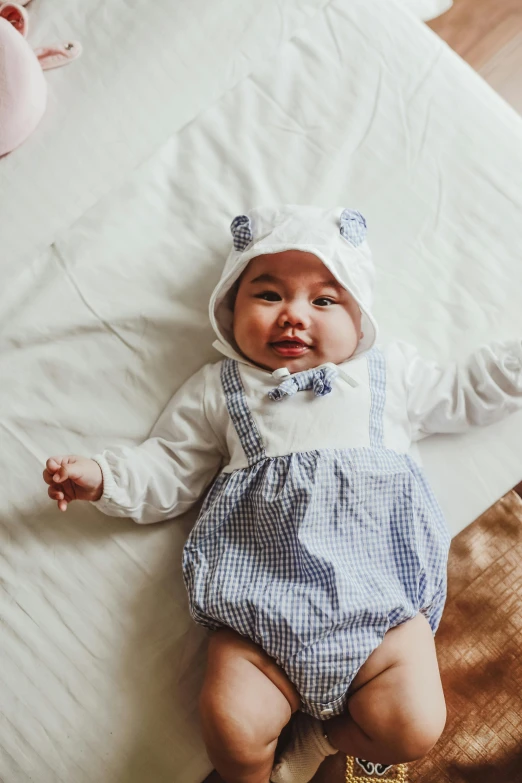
230, 735
414, 737
403, 729
242, 709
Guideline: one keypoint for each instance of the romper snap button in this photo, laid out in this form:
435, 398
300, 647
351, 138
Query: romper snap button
326, 711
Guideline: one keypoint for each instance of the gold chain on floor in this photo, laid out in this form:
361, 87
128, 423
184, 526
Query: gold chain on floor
398, 774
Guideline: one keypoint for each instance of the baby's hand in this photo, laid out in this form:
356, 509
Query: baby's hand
73, 478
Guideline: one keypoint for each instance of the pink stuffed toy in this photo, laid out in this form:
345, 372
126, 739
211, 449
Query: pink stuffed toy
23, 89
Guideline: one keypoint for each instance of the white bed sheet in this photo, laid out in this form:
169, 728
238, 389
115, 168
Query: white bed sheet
146, 70
100, 662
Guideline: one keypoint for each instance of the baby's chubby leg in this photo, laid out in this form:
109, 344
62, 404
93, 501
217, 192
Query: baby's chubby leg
245, 702
397, 711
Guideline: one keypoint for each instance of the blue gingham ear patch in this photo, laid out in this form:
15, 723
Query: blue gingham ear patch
241, 229
353, 226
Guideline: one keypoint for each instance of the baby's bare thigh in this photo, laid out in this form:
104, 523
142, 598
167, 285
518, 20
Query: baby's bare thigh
245, 692
399, 685
410, 644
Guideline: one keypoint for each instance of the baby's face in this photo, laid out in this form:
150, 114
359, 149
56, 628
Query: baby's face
291, 312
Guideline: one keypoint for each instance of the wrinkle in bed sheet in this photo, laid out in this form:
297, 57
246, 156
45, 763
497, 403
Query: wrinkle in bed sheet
63, 265
146, 71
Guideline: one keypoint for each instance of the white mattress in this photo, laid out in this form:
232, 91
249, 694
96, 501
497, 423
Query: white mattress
110, 249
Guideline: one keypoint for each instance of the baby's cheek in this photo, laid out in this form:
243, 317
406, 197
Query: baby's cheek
246, 332
257, 324
343, 340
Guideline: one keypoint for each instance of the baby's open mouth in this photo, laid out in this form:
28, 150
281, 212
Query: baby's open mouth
290, 347
291, 344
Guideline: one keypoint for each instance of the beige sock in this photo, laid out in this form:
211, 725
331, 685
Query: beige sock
306, 750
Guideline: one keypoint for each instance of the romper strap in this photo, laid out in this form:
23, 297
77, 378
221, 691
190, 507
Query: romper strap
239, 412
377, 377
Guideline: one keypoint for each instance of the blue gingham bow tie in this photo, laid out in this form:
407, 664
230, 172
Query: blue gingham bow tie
320, 380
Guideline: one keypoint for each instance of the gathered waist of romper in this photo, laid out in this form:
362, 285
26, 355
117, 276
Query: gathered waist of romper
360, 458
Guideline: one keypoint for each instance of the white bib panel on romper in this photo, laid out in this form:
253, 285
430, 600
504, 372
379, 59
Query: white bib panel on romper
314, 555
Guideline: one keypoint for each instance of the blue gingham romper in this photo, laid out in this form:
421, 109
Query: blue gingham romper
315, 555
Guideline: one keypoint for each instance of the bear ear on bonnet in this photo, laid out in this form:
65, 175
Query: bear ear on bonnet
241, 228
352, 228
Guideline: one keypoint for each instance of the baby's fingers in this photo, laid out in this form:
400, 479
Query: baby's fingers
60, 498
55, 493
51, 478
62, 473
53, 463
58, 468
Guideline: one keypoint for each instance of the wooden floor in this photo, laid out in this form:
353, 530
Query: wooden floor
488, 35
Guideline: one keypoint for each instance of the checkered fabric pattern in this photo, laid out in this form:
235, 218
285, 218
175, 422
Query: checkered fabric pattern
377, 373
241, 229
320, 380
315, 555
353, 226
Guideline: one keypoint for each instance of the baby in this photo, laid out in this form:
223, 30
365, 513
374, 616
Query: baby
318, 559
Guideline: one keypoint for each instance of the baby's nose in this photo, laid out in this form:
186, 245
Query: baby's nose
294, 316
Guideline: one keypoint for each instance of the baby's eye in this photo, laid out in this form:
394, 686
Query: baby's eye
322, 300
269, 296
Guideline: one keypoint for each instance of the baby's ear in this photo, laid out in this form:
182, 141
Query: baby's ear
241, 229
353, 226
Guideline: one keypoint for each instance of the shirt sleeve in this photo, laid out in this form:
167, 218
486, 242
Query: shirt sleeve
164, 476
481, 390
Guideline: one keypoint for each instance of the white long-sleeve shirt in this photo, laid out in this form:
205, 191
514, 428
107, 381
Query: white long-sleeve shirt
194, 439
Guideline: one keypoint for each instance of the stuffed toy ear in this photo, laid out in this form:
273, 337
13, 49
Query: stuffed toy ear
353, 226
58, 55
48, 56
241, 229
17, 16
